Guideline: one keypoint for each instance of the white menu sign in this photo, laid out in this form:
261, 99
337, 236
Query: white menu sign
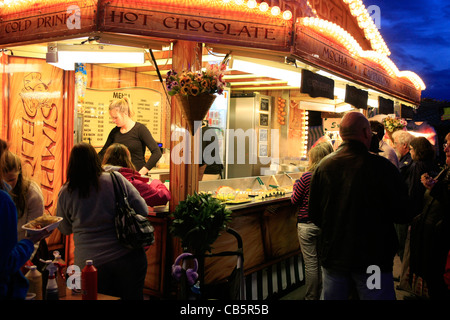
97, 123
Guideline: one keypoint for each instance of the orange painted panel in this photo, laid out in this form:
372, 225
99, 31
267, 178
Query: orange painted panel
35, 129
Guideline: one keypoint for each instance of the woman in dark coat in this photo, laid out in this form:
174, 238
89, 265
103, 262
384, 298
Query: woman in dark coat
430, 231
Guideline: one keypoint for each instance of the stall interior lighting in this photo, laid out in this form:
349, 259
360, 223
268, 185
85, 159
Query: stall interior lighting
345, 39
293, 78
65, 56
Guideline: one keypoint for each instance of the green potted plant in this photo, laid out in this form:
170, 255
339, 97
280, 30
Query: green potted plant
198, 222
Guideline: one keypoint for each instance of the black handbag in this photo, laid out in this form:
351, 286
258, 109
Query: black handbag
132, 229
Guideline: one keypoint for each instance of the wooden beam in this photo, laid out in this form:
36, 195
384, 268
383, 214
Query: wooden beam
183, 177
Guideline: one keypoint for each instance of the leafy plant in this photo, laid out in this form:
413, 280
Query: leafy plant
198, 221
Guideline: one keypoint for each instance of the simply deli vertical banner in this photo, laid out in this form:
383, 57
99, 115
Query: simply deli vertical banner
36, 123
190, 23
61, 20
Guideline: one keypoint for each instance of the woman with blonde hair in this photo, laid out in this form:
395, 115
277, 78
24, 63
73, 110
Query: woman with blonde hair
307, 232
134, 135
26, 193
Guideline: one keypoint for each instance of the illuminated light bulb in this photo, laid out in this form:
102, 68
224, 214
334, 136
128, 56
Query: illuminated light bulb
226, 1
252, 4
263, 6
287, 15
275, 11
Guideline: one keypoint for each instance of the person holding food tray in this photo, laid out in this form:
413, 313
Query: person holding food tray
13, 253
26, 193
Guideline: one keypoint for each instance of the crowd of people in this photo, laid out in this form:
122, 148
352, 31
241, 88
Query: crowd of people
366, 202
357, 207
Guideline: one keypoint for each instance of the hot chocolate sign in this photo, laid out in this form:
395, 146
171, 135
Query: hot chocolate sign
174, 23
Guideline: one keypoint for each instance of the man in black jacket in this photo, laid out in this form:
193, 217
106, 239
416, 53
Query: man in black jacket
355, 198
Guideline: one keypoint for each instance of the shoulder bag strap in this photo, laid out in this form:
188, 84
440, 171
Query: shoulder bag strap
118, 192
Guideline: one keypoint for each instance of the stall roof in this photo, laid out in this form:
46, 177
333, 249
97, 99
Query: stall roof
246, 24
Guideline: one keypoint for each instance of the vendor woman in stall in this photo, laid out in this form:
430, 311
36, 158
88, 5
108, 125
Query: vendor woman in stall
134, 135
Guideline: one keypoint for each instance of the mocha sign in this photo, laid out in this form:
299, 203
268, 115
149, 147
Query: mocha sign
320, 51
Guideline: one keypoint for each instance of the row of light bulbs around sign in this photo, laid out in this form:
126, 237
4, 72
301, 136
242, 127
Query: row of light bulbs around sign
344, 38
365, 22
263, 7
356, 6
357, 9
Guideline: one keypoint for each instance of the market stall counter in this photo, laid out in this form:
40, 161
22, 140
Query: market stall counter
265, 219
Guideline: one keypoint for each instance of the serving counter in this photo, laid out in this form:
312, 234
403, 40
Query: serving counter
272, 256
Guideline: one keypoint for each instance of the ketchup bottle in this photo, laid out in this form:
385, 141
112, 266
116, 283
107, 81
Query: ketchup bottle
89, 282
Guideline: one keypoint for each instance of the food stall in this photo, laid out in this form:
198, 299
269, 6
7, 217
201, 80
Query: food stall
293, 69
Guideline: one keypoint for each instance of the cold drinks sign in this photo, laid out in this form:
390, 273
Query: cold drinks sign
59, 20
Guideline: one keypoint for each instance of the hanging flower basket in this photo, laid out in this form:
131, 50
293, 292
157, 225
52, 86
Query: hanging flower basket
393, 124
195, 90
195, 108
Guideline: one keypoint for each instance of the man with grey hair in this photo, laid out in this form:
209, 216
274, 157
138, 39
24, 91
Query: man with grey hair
402, 139
355, 198
401, 146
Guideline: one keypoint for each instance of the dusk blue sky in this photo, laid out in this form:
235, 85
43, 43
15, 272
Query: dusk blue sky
417, 33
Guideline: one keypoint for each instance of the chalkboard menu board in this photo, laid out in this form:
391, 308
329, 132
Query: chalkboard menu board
96, 120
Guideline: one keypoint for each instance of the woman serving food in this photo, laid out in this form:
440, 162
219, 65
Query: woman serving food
134, 135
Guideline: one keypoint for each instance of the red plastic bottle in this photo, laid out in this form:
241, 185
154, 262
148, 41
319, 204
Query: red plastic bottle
89, 282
